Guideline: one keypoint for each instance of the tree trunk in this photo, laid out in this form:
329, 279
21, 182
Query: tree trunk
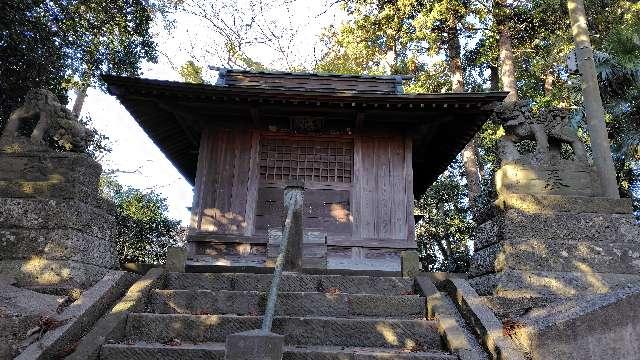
494, 78
453, 52
81, 95
469, 159
548, 83
507, 66
594, 110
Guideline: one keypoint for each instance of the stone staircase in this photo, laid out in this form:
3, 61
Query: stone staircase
322, 317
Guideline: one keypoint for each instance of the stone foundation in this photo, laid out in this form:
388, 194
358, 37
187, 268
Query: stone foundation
555, 246
55, 229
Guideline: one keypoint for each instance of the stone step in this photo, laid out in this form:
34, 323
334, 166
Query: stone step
215, 351
205, 302
367, 332
513, 306
291, 283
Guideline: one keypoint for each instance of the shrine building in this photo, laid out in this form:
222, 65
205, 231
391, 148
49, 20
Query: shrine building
364, 149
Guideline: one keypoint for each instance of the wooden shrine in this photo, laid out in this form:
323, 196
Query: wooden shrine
363, 148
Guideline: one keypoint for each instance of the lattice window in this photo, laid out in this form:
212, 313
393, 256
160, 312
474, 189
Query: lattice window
309, 160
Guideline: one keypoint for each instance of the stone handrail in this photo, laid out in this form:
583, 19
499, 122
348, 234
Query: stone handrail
290, 255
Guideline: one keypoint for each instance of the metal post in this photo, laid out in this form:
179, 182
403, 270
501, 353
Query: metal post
290, 256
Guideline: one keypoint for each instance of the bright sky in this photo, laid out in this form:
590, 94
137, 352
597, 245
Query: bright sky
141, 163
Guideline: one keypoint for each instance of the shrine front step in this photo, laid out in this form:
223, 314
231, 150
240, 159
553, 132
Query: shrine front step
204, 302
215, 351
305, 331
291, 283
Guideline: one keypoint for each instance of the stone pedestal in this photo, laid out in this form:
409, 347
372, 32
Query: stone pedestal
254, 345
545, 247
55, 229
550, 176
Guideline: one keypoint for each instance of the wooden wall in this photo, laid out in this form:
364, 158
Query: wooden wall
382, 196
226, 182
364, 224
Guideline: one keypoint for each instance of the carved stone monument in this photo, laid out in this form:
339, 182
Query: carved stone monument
545, 171
55, 229
549, 236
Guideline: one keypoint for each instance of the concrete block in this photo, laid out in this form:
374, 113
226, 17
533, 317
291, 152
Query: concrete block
53, 167
215, 351
563, 177
561, 256
20, 311
605, 326
410, 263
514, 305
550, 284
606, 228
288, 304
176, 259
57, 244
79, 317
113, 324
450, 324
483, 320
291, 283
41, 272
254, 345
366, 332
53, 214
549, 204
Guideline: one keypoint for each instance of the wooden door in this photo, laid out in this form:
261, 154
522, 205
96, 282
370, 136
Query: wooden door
383, 190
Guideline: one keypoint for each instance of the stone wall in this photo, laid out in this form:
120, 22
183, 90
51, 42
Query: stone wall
54, 226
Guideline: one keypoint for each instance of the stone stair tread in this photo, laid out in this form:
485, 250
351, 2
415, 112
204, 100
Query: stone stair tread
368, 332
350, 284
289, 292
205, 302
210, 350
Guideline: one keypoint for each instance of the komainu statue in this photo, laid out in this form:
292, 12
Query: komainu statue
549, 127
55, 124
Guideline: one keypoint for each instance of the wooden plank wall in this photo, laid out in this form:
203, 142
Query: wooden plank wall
226, 183
382, 201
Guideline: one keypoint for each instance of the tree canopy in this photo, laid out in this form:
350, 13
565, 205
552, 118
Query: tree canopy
63, 44
143, 230
518, 46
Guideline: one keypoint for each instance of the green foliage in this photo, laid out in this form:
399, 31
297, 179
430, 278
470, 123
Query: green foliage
30, 53
143, 230
444, 232
411, 38
190, 72
106, 36
59, 44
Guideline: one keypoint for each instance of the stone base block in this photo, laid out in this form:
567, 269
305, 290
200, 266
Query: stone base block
605, 326
49, 167
176, 259
562, 177
410, 263
56, 214
550, 284
40, 271
549, 204
361, 258
58, 244
20, 311
513, 306
558, 256
517, 226
228, 254
254, 345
